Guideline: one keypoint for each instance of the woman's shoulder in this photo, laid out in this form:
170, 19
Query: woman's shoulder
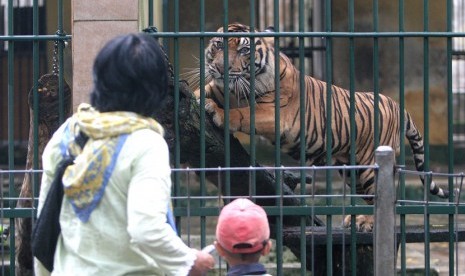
145, 141
147, 136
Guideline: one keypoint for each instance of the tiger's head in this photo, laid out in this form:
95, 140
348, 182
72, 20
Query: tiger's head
239, 67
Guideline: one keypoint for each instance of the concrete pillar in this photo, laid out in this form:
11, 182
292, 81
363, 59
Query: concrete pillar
94, 23
385, 224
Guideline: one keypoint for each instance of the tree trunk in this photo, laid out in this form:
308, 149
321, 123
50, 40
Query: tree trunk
189, 141
48, 124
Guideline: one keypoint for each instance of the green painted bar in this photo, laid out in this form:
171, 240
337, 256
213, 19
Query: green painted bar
177, 147
403, 254
279, 226
450, 139
35, 75
34, 37
252, 146
426, 225
289, 210
11, 165
203, 189
303, 144
165, 8
353, 135
11, 45
331, 210
13, 213
227, 140
431, 209
303, 34
12, 245
150, 7
312, 213
60, 44
376, 75
329, 73
426, 127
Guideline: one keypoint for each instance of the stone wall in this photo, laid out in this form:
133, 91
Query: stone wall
389, 58
93, 24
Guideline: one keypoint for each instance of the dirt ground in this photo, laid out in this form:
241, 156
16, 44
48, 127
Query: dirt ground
439, 256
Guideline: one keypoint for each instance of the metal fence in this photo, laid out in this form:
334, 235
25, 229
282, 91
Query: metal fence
306, 219
296, 38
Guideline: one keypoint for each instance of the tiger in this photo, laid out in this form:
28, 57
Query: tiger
315, 111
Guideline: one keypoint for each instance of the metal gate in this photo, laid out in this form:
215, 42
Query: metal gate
311, 32
29, 48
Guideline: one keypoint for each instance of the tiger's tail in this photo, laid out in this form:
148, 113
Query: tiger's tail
416, 143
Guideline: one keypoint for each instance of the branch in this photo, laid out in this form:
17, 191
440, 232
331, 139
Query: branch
189, 141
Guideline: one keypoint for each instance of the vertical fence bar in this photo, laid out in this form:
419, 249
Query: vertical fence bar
317, 42
150, 7
426, 217
303, 142
277, 90
11, 137
353, 135
450, 135
2, 217
329, 72
177, 142
279, 219
34, 177
60, 32
227, 152
165, 23
384, 231
376, 74
11, 90
426, 85
401, 138
203, 191
252, 144
426, 126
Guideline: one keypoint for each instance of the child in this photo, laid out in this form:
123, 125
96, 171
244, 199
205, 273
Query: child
242, 237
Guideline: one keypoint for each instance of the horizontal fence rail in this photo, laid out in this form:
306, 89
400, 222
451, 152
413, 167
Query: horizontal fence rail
312, 34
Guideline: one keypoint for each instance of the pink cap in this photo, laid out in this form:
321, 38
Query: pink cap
242, 227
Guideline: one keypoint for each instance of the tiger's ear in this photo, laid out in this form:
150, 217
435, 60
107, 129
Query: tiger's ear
269, 40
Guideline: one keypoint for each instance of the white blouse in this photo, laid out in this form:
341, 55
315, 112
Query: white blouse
127, 233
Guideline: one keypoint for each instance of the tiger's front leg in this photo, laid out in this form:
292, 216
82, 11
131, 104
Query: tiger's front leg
239, 118
365, 185
217, 114
208, 91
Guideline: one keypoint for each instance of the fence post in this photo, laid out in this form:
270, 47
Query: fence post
384, 230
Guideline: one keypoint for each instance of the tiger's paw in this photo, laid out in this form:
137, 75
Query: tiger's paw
196, 94
217, 113
363, 223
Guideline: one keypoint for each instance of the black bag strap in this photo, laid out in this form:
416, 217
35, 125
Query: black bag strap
81, 139
47, 227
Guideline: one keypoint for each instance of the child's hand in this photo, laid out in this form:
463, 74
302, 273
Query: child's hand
202, 264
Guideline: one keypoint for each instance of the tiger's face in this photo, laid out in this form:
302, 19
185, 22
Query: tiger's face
239, 64
239, 67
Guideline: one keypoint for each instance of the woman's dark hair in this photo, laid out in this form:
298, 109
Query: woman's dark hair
130, 74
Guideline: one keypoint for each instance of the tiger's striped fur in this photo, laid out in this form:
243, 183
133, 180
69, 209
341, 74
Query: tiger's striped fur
315, 109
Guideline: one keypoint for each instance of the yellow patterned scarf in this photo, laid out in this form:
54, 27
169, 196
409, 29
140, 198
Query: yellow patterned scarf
85, 181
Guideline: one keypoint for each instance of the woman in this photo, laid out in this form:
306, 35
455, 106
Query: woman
116, 217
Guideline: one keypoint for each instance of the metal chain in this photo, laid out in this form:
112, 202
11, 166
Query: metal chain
55, 59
